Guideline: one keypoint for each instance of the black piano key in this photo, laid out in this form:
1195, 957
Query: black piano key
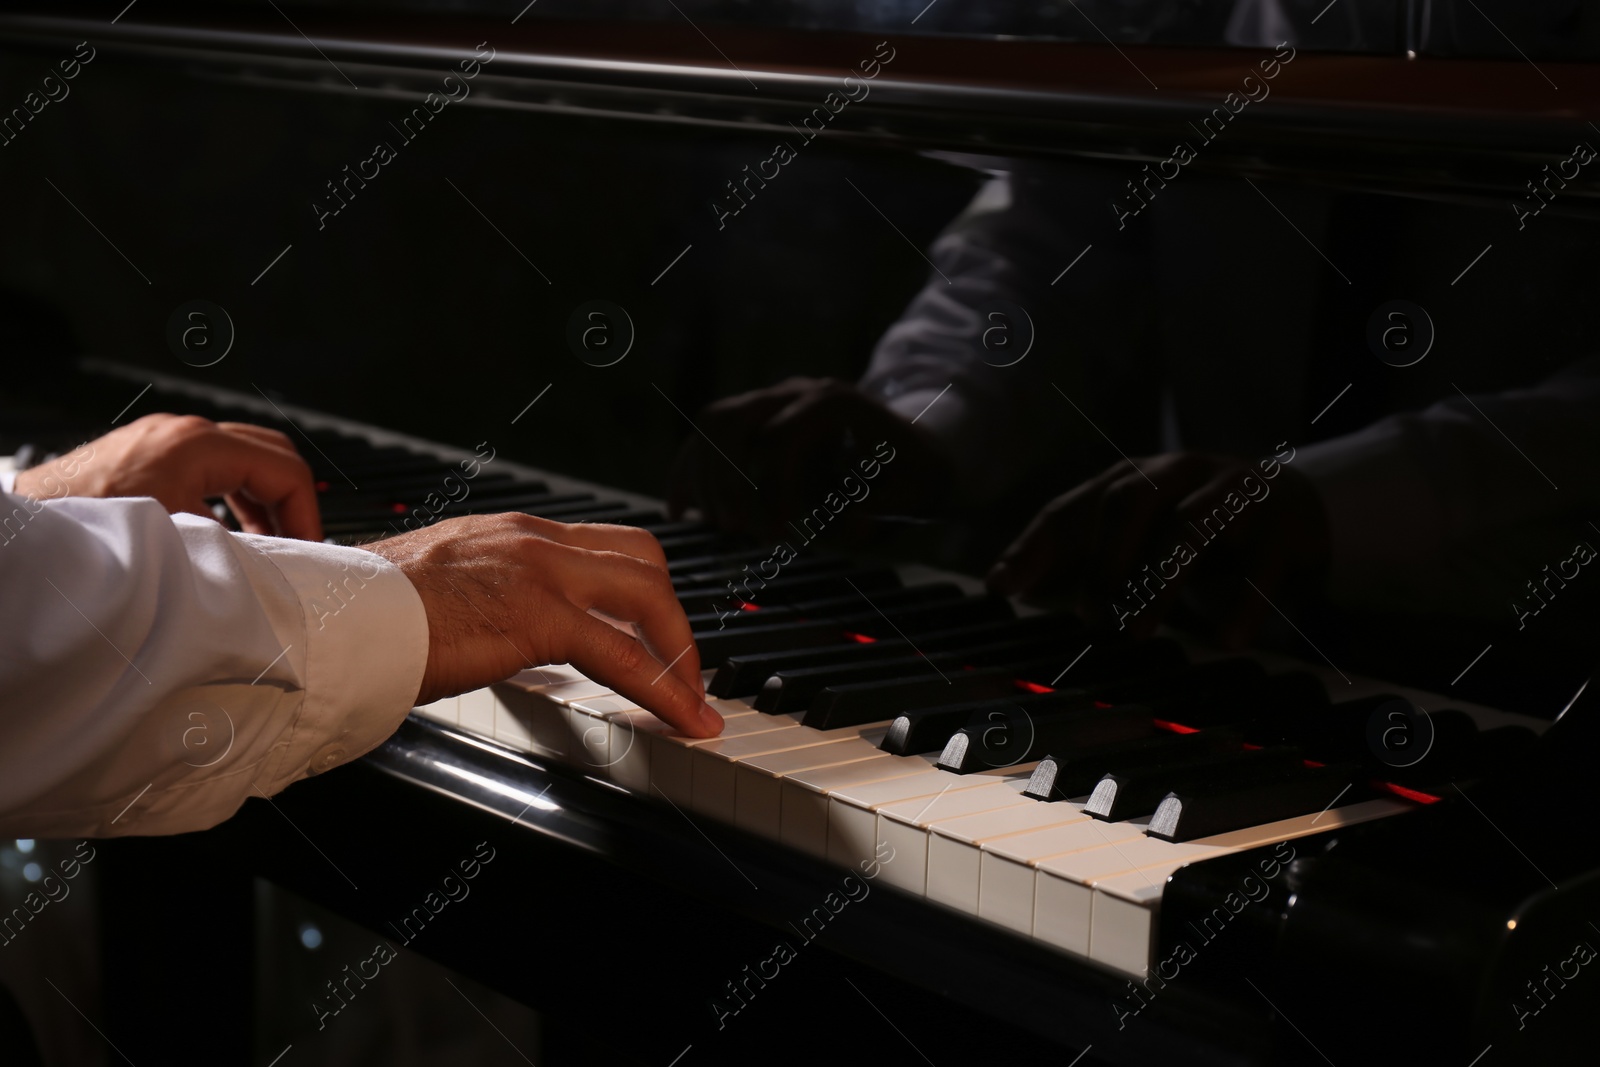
738, 571
699, 542
864, 702
1007, 733
645, 518
384, 509
717, 645
784, 589
1069, 773
1485, 752
1208, 810
389, 480
794, 690
1129, 793
1289, 696
744, 675
930, 729
830, 607
658, 524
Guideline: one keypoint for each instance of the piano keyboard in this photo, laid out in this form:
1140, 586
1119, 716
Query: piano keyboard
1018, 769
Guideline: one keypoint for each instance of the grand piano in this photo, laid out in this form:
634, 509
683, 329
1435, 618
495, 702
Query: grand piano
1077, 847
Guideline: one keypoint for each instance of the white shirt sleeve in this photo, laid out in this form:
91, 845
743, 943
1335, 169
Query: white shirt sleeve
1005, 357
1456, 506
156, 670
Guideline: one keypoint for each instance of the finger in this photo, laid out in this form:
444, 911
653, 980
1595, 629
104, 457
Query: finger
631, 590
616, 660
253, 518
278, 480
260, 434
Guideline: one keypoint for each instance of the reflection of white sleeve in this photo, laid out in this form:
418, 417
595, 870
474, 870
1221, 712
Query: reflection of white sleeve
1450, 506
156, 670
954, 360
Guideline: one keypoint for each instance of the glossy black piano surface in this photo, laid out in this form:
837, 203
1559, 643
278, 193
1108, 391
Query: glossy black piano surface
196, 157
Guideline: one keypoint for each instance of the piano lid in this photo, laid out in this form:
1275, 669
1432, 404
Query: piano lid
1352, 109
1485, 29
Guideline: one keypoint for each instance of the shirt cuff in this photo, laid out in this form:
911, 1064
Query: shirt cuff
366, 646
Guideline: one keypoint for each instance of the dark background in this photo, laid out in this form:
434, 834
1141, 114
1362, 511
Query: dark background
408, 310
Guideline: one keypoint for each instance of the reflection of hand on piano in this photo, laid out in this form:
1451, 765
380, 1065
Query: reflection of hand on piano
1124, 544
181, 461
508, 592
799, 440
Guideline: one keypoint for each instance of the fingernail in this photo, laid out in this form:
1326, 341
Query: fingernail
710, 719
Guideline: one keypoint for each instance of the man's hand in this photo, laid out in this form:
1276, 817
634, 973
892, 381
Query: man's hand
508, 592
1188, 522
798, 440
181, 460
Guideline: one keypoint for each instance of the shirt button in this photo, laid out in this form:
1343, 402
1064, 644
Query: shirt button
328, 758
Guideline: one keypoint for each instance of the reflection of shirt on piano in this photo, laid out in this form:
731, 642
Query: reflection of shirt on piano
1200, 330
157, 670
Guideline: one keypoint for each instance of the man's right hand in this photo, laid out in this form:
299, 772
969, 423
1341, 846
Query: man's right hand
507, 592
798, 440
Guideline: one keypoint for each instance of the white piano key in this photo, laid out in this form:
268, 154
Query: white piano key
537, 679
477, 711
853, 810
567, 692
528, 721
605, 706
628, 759
953, 847
609, 744
721, 762
758, 789
591, 735
905, 826
803, 820
714, 766
445, 710
671, 773
1006, 872
1123, 925
1127, 884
